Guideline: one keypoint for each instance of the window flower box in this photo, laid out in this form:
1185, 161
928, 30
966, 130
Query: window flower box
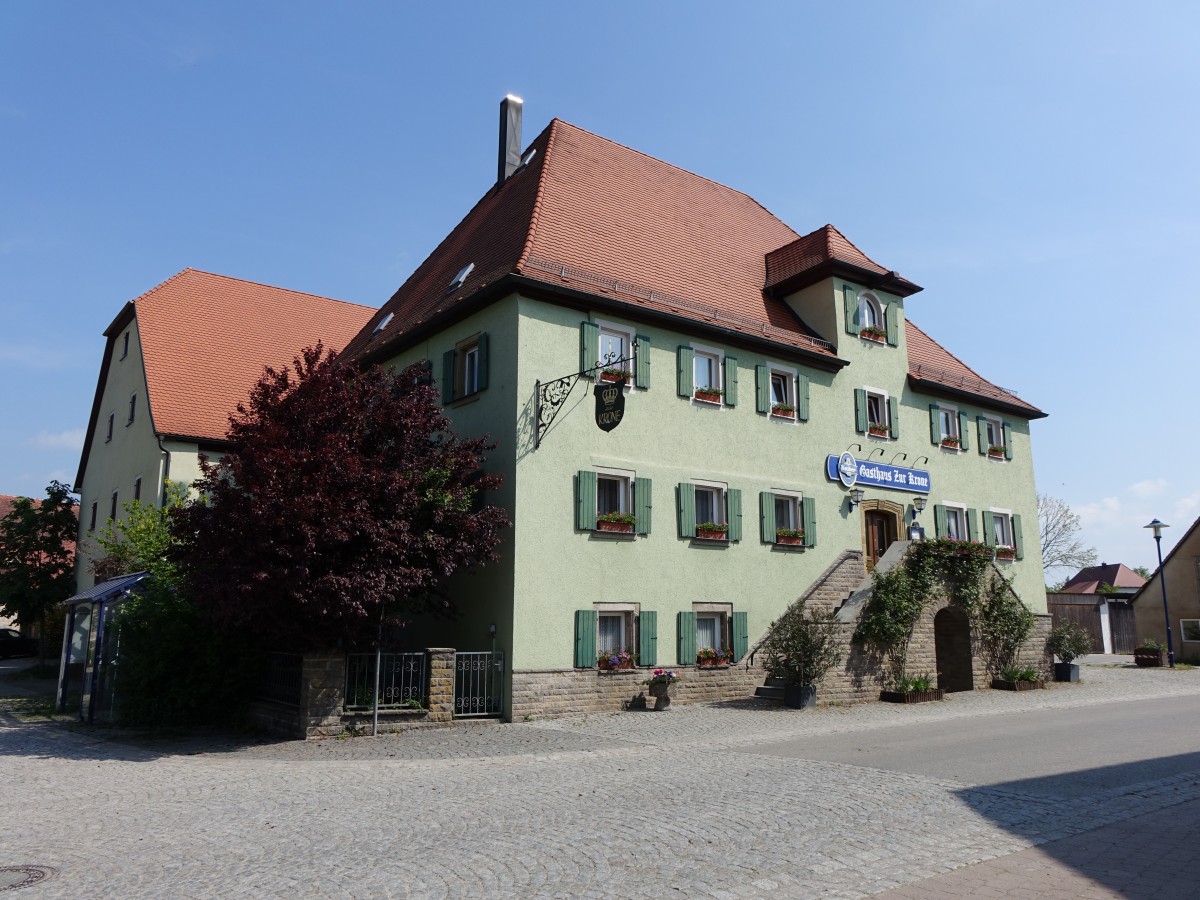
711, 657
616, 660
711, 531
876, 429
708, 395
614, 375
619, 523
790, 537
1007, 554
783, 410
951, 443
871, 333
995, 452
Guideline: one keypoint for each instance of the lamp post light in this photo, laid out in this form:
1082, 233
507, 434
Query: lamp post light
856, 497
1158, 526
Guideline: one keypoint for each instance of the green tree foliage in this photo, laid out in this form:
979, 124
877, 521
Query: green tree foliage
802, 646
37, 559
142, 540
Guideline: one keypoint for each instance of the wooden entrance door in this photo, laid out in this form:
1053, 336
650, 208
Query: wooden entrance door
881, 532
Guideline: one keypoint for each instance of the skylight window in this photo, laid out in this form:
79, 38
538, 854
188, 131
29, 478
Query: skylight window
383, 323
461, 277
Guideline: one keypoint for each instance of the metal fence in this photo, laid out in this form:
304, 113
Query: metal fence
477, 681
281, 677
402, 681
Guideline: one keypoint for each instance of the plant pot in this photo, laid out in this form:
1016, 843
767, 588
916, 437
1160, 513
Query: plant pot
912, 696
878, 432
705, 534
868, 336
800, 696
710, 663
615, 527
1000, 684
661, 695
790, 540
612, 376
1066, 672
783, 414
1144, 656
999, 454
707, 397
624, 664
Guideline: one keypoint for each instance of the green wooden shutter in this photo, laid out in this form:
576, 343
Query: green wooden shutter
686, 627
860, 410
585, 638
808, 515
1007, 441
892, 320
648, 639
981, 433
802, 392
733, 503
481, 362
741, 635
641, 363
685, 374
687, 509
939, 521
972, 526
766, 516
850, 300
643, 496
731, 373
935, 424
589, 346
762, 389
964, 440
1018, 536
448, 376
894, 417
989, 529
585, 500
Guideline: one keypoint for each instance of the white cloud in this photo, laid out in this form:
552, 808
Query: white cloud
71, 439
1145, 489
1186, 510
1101, 513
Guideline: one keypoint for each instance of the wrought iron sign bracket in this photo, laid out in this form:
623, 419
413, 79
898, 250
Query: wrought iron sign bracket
549, 397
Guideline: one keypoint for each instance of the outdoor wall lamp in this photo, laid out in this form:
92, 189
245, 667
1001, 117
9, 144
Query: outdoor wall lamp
919, 503
1158, 526
901, 455
915, 531
856, 497
878, 450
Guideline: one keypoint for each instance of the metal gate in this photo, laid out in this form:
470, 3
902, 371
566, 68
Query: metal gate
478, 677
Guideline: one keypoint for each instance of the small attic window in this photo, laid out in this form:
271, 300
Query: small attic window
529, 154
383, 323
461, 277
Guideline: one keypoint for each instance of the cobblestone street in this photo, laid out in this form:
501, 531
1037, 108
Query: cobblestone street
686, 803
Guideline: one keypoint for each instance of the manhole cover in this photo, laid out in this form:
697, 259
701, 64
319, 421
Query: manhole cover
13, 877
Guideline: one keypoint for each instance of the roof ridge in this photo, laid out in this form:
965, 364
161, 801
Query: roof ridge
274, 287
541, 188
859, 249
663, 162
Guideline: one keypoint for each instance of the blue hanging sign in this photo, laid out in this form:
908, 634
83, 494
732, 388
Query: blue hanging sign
850, 471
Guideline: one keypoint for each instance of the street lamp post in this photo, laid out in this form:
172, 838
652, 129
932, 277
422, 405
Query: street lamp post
1158, 526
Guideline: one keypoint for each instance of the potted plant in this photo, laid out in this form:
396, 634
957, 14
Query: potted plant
612, 660
659, 683
609, 373
995, 452
951, 443
871, 333
1005, 553
1018, 678
800, 648
784, 410
712, 531
708, 657
622, 523
913, 689
708, 395
1149, 653
878, 429
792, 537
1068, 641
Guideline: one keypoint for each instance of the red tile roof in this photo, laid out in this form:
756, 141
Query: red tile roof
206, 338
1089, 579
590, 214
6, 504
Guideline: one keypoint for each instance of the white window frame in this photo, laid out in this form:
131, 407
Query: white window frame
960, 511
466, 367
990, 423
871, 304
628, 613
885, 405
626, 477
789, 390
794, 499
722, 491
626, 334
723, 613
718, 359
1007, 516
948, 415
1183, 631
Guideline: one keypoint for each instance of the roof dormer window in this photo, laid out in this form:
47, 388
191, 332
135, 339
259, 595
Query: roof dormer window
383, 323
461, 278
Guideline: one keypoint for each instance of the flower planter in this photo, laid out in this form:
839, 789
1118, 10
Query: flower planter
800, 696
878, 431
1005, 557
706, 534
912, 696
616, 527
661, 695
707, 396
996, 454
1066, 672
999, 684
875, 336
784, 413
614, 376
1144, 656
950, 445
621, 666
790, 540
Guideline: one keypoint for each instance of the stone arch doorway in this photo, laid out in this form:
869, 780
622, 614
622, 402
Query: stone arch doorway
882, 523
952, 645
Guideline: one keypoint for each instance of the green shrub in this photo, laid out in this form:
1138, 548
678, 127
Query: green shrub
1068, 641
914, 684
802, 646
1019, 673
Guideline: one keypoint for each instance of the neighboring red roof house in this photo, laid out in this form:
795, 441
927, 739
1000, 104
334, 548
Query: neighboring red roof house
178, 361
1089, 580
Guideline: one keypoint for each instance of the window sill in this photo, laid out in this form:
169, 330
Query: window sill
710, 404
950, 449
1005, 559
873, 340
613, 535
788, 418
717, 542
879, 437
999, 459
464, 399
788, 548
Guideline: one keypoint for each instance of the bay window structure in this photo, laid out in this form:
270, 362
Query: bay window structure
876, 414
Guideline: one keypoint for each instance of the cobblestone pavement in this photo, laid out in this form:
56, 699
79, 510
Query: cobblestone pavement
623, 805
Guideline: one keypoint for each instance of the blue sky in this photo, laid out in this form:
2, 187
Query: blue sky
1032, 165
